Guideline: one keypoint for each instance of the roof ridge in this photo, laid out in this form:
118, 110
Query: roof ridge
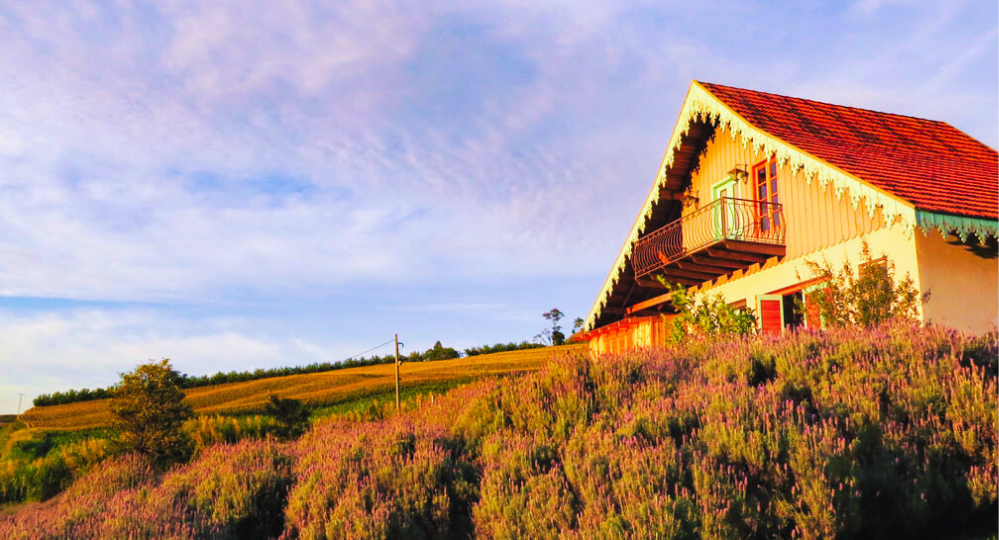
710, 84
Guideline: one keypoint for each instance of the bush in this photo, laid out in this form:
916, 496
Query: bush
702, 315
30, 476
888, 432
865, 298
290, 416
149, 412
373, 481
207, 431
231, 491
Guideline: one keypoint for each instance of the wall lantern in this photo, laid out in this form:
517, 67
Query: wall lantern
688, 198
739, 173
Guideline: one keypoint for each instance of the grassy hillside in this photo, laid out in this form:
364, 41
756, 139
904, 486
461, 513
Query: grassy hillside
317, 389
888, 433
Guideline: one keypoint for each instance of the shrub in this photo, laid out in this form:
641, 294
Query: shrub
881, 433
867, 297
380, 480
209, 430
149, 412
231, 491
31, 478
291, 417
703, 315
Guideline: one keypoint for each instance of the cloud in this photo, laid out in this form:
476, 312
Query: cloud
42, 352
106, 202
218, 154
480, 137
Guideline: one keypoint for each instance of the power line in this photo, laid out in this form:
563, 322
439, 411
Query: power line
371, 349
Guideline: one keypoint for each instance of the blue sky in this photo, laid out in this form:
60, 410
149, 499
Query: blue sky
236, 187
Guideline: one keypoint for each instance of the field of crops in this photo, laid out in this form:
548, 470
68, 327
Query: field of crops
315, 389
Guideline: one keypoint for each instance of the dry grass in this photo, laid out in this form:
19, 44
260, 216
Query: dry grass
314, 389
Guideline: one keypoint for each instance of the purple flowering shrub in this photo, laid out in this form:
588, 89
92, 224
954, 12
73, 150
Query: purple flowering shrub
398, 479
881, 433
233, 491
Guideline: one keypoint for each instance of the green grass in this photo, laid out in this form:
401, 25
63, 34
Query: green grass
370, 405
40, 443
5, 433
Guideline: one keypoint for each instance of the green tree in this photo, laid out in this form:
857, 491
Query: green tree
577, 324
291, 416
866, 297
149, 411
440, 352
553, 336
703, 315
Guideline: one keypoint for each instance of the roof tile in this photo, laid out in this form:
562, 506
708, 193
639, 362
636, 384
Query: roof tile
931, 164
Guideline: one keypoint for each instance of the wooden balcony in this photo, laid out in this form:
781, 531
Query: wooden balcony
724, 236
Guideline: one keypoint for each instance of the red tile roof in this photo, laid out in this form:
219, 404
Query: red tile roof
931, 164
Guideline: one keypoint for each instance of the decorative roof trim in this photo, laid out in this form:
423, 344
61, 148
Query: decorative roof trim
702, 105
962, 226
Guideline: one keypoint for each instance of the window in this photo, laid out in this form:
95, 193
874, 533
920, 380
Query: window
781, 311
879, 266
791, 307
767, 194
793, 315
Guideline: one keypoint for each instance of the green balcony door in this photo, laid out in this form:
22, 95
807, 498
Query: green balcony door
727, 226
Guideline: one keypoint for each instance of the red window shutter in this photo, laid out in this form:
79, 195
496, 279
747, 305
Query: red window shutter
771, 314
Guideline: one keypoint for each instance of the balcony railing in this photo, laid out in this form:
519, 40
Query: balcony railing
751, 222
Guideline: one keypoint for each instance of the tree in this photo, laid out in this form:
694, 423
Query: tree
291, 416
149, 411
577, 324
867, 297
440, 352
553, 336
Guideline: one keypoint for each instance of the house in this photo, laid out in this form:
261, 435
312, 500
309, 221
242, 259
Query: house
753, 184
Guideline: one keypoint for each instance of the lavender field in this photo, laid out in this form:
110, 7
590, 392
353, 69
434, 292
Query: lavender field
887, 433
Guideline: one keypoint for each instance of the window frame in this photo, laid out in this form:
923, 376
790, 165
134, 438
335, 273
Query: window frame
766, 218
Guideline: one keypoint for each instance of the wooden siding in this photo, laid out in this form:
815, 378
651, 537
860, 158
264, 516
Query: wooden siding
640, 333
815, 220
815, 217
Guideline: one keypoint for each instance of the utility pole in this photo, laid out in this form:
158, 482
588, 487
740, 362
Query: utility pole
397, 372
19, 396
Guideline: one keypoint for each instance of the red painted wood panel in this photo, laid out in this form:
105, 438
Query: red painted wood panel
770, 318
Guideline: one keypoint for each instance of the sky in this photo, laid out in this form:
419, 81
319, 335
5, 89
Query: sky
234, 185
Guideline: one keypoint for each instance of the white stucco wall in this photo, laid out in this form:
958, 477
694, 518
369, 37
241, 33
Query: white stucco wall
963, 286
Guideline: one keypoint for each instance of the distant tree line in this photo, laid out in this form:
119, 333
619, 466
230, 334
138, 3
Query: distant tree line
502, 347
72, 396
437, 352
